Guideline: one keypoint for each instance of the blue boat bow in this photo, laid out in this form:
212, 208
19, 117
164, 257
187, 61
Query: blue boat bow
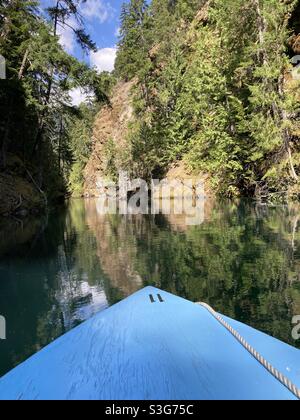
155, 346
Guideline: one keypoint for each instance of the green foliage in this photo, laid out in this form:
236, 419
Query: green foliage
80, 141
66, 10
76, 179
215, 96
38, 122
111, 154
211, 89
133, 45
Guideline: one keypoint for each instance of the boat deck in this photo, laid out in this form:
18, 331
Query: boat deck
154, 346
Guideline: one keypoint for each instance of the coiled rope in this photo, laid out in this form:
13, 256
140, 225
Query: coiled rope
278, 375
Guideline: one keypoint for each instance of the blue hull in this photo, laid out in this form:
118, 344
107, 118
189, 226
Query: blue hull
163, 350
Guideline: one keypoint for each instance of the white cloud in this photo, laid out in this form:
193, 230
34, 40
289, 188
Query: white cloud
78, 96
67, 39
92, 10
67, 36
97, 9
104, 60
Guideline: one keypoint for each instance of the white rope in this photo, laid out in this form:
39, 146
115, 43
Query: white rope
278, 375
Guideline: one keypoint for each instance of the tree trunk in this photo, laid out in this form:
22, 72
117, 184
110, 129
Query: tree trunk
41, 127
293, 172
261, 27
23, 66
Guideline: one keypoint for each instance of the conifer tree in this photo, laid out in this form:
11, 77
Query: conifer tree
134, 43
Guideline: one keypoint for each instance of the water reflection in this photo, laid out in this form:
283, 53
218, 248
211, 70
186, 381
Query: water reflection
244, 260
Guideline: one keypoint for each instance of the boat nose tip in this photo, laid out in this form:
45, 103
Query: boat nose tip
151, 289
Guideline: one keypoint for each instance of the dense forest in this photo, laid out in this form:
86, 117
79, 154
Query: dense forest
214, 87
44, 139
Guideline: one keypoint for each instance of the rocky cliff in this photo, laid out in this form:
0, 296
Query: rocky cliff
110, 135
111, 128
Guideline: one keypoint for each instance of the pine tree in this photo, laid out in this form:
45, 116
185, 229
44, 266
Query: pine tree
19, 18
134, 42
34, 99
61, 16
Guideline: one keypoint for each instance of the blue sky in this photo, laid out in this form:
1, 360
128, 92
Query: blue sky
102, 23
102, 20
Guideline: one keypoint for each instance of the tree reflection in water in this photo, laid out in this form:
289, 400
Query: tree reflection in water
244, 260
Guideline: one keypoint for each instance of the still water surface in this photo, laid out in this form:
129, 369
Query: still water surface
244, 260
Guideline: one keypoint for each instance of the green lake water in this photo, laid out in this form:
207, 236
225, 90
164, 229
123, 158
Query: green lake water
242, 259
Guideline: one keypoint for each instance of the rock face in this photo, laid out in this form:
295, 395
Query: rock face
179, 172
111, 131
18, 194
111, 126
294, 43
